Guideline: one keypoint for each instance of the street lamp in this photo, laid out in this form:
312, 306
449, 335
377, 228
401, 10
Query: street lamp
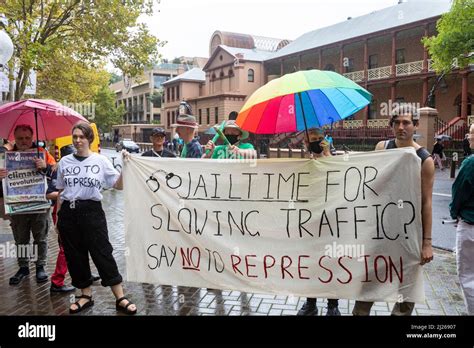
6, 44
6, 47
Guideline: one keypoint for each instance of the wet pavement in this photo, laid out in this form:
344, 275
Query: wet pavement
443, 293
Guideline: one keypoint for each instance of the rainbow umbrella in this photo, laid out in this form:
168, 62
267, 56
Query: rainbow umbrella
302, 100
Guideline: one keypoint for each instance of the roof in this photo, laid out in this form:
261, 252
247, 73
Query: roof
253, 54
390, 17
195, 74
250, 54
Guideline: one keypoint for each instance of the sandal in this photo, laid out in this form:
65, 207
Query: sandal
79, 308
125, 309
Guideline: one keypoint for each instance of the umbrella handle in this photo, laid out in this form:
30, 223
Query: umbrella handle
37, 137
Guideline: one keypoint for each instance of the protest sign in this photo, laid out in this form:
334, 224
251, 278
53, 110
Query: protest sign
339, 227
24, 187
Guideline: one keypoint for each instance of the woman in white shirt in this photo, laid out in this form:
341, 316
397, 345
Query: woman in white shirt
81, 221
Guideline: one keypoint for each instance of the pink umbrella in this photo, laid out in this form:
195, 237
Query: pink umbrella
48, 118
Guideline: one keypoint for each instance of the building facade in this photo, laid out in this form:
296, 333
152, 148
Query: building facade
382, 51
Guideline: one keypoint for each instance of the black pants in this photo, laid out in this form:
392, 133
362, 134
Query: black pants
83, 230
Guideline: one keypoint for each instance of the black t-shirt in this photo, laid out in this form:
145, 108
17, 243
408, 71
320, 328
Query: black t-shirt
162, 153
421, 152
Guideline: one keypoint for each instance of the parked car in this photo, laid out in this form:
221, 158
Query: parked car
128, 145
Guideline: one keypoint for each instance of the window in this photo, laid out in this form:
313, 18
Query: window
233, 115
400, 56
167, 95
216, 115
172, 93
373, 61
173, 116
208, 116
158, 80
231, 72
213, 77
221, 74
329, 67
250, 75
372, 110
350, 65
177, 92
200, 116
168, 118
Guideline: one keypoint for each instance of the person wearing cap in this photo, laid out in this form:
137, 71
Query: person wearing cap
236, 149
186, 126
158, 137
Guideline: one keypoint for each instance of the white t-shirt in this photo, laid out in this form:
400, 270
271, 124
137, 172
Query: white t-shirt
85, 179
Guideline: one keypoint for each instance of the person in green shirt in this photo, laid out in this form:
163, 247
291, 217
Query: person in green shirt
236, 150
462, 208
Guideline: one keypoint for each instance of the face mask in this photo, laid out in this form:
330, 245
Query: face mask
315, 146
232, 138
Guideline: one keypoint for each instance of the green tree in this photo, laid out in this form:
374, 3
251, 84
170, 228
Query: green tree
70, 80
91, 30
106, 113
455, 39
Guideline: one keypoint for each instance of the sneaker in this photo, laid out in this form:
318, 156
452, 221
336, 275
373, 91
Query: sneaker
308, 309
333, 311
41, 275
64, 288
18, 277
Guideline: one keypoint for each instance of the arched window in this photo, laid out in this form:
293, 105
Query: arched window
233, 115
231, 72
221, 74
329, 67
250, 75
213, 77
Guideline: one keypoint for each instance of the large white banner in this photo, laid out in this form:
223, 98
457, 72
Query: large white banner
340, 227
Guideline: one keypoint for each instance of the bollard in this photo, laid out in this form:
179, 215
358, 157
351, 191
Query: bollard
278, 153
290, 153
302, 153
454, 161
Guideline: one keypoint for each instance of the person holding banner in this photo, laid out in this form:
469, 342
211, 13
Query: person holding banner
235, 149
404, 122
158, 137
462, 208
26, 224
82, 224
186, 127
318, 147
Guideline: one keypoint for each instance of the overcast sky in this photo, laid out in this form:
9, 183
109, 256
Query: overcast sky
187, 25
